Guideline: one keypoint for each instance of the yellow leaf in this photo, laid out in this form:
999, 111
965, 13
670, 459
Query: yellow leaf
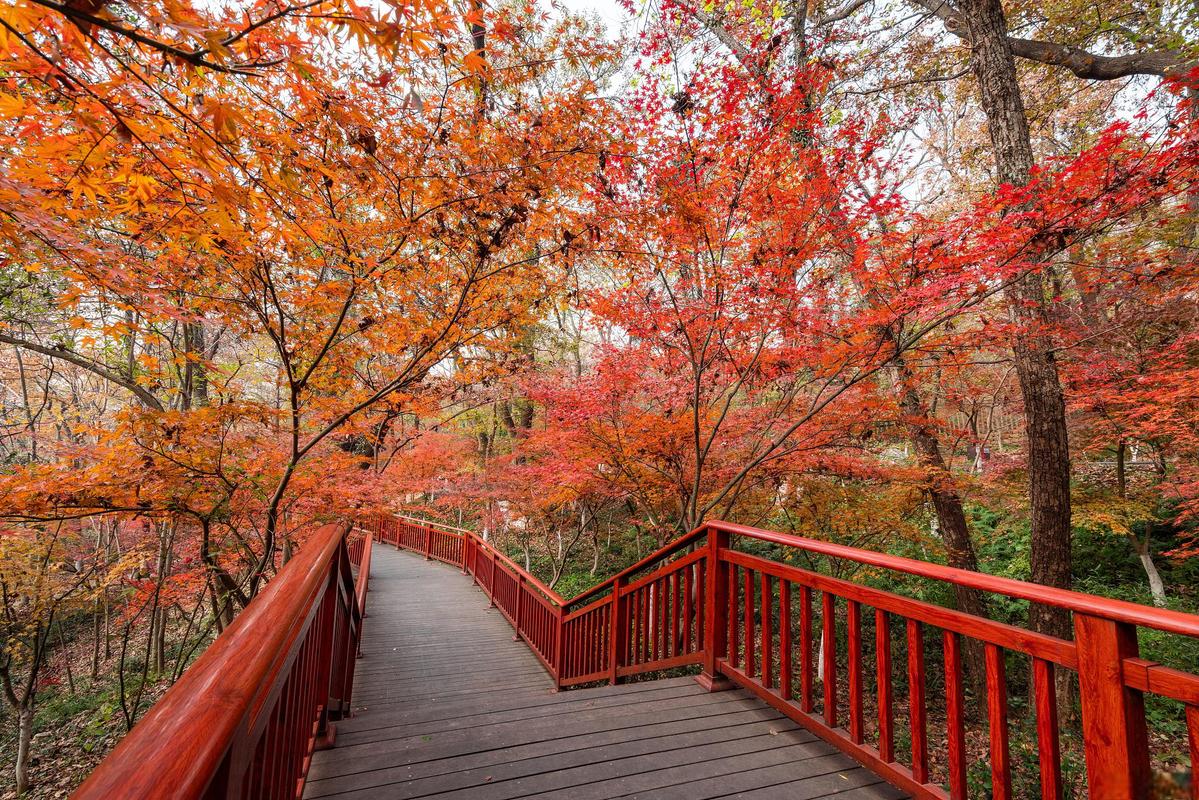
11, 105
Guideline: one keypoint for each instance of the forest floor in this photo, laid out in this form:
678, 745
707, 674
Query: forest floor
73, 729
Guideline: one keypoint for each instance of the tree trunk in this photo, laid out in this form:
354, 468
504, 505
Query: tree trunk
96, 639
1121, 473
24, 741
62, 644
1156, 586
1049, 480
951, 518
195, 376
505, 413
524, 411
1036, 367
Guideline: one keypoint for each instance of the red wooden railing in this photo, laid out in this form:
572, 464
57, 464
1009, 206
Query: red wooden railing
244, 720
773, 628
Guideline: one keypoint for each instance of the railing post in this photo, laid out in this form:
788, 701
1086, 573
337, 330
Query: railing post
462, 551
520, 602
1113, 714
326, 732
619, 632
428, 541
559, 645
715, 611
491, 582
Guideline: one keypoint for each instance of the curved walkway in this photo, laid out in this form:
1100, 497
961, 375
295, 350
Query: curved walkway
447, 705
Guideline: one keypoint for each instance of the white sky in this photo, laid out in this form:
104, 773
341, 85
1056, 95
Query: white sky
608, 11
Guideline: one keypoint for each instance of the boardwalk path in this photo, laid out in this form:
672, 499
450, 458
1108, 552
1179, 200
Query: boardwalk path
447, 705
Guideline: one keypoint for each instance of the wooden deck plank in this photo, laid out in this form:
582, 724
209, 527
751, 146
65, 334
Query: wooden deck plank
448, 705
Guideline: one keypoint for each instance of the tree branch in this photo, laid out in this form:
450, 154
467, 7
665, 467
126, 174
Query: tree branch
143, 394
1084, 64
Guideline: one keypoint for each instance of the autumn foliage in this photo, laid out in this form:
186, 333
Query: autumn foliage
268, 265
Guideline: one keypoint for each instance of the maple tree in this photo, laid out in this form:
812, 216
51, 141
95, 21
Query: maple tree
269, 260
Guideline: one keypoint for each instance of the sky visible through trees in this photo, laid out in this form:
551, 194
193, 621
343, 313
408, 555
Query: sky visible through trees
917, 276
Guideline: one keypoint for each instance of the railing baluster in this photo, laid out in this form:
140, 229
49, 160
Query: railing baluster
651, 628
660, 618
828, 623
955, 716
649, 607
916, 702
617, 622
750, 644
767, 632
886, 694
689, 606
642, 624
1001, 770
559, 659
701, 603
734, 599
854, 624
676, 608
1049, 756
1192, 717
630, 654
785, 638
668, 615
806, 667
599, 647
586, 655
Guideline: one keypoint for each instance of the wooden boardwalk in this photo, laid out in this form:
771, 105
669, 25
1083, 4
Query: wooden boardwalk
447, 705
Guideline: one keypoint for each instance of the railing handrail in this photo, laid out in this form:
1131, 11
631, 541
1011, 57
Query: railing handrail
202, 714
1116, 610
665, 551
434, 524
528, 577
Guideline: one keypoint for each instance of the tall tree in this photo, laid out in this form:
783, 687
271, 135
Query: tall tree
1048, 452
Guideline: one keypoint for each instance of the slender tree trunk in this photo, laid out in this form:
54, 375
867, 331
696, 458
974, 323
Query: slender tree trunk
1157, 587
1036, 366
1121, 473
107, 628
24, 742
947, 504
96, 630
62, 643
